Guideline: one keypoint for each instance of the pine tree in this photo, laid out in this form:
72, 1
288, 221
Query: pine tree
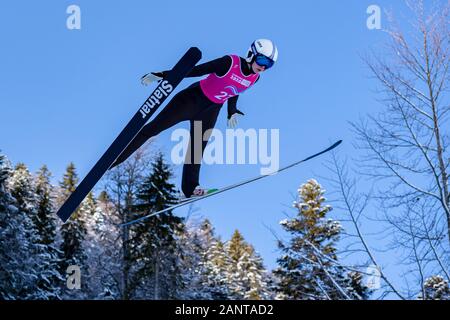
237, 247
204, 263
14, 276
215, 264
73, 232
215, 271
355, 286
91, 214
91, 245
219, 271
436, 288
193, 242
153, 245
254, 276
247, 277
45, 223
45, 219
35, 264
306, 270
21, 185
102, 248
4, 172
107, 262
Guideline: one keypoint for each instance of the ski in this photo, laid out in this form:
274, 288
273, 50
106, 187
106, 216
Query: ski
218, 191
159, 95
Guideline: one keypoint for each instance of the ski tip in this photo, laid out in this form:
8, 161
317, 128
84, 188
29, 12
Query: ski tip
334, 145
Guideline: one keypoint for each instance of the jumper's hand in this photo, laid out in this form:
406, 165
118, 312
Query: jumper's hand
151, 77
233, 119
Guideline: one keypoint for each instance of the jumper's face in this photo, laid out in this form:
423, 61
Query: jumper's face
257, 68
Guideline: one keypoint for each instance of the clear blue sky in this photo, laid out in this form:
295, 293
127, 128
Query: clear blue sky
65, 95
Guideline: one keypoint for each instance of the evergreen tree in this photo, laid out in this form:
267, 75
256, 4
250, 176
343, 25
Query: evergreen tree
101, 246
213, 265
153, 245
31, 255
15, 279
246, 274
218, 271
73, 232
5, 171
215, 271
436, 288
91, 214
44, 221
21, 186
355, 286
237, 247
106, 260
204, 263
91, 244
194, 241
306, 270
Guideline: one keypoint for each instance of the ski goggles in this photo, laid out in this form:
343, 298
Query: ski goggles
261, 60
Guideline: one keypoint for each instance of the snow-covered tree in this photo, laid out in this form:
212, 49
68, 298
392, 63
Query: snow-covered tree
45, 218
436, 288
203, 261
105, 258
193, 244
91, 246
28, 268
73, 233
308, 268
355, 286
153, 245
21, 185
247, 277
44, 221
215, 271
15, 278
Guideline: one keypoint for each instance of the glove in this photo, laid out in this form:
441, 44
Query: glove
233, 119
151, 77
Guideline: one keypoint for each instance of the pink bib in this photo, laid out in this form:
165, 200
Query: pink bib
234, 82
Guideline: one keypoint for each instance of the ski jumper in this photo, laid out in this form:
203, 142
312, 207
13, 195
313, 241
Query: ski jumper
228, 77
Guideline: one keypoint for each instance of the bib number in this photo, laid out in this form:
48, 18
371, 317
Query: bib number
222, 96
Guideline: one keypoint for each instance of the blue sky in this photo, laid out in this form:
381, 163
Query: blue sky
66, 94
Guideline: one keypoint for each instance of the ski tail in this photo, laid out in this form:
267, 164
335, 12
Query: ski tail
159, 95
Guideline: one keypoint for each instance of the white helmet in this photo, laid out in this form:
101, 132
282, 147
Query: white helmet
263, 47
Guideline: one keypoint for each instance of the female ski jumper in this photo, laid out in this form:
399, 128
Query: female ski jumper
228, 77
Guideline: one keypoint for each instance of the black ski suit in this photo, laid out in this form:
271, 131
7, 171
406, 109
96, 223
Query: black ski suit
189, 104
